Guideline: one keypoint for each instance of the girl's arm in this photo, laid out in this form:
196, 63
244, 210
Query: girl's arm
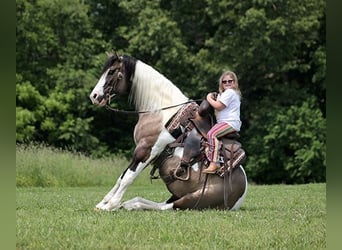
215, 104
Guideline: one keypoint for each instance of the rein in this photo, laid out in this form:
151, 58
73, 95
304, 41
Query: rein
148, 111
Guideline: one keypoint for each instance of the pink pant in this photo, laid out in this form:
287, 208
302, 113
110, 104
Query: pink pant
218, 130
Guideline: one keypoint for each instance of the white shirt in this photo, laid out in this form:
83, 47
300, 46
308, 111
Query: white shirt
231, 113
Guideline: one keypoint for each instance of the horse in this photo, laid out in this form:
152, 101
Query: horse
169, 134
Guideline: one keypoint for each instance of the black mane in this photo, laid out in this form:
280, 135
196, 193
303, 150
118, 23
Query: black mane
110, 61
129, 63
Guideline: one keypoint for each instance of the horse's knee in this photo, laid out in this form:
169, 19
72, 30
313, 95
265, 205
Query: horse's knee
143, 149
141, 154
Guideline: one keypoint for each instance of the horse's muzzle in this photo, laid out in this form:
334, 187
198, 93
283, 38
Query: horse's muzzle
99, 100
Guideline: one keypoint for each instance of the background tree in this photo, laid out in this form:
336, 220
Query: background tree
57, 51
277, 49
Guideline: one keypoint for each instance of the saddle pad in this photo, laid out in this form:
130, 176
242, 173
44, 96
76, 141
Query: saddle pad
182, 116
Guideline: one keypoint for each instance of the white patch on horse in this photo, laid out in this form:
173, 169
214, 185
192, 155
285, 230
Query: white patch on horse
98, 90
139, 203
195, 167
239, 202
179, 152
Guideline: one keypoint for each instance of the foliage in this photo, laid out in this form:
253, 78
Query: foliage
277, 49
29, 112
56, 55
293, 146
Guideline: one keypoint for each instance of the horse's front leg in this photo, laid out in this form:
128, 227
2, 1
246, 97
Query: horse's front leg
143, 155
121, 186
113, 198
110, 194
132, 166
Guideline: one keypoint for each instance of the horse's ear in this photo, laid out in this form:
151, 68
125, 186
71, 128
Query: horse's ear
110, 53
118, 56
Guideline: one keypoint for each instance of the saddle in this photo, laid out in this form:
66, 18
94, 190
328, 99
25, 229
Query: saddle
231, 152
195, 126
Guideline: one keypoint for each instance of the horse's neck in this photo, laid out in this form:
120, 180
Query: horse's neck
153, 91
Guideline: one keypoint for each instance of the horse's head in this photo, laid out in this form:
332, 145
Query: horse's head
115, 79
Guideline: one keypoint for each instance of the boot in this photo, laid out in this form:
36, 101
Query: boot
211, 169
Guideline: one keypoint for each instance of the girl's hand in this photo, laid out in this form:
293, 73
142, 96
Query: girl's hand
212, 96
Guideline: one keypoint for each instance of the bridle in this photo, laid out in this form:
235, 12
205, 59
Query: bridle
110, 86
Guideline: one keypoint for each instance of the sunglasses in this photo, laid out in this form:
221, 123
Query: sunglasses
227, 81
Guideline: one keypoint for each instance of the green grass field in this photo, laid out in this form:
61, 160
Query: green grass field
59, 215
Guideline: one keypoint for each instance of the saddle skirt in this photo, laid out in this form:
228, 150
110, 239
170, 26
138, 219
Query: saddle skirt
231, 155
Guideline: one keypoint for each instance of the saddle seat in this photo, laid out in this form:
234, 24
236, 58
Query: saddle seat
204, 124
232, 136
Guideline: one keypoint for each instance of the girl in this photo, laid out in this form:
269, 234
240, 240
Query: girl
227, 106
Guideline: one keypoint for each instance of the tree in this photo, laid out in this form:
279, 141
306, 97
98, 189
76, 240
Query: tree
290, 147
56, 58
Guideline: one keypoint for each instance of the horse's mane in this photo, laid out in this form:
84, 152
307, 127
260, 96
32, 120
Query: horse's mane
151, 90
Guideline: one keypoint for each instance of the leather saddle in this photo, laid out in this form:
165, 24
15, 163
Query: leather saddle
196, 141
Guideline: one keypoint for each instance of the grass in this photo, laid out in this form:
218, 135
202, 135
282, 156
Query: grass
272, 217
59, 216
42, 166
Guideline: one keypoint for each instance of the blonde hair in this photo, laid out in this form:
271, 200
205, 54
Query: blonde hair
236, 85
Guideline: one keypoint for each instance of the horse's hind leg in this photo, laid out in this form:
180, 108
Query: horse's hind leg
139, 203
197, 200
240, 181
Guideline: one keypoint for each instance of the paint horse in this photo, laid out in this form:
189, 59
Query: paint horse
170, 134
